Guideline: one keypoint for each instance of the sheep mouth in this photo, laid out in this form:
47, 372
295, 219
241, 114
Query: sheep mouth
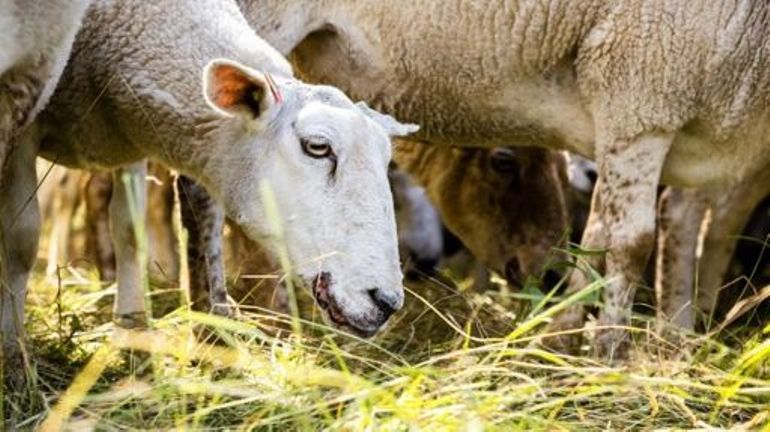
323, 298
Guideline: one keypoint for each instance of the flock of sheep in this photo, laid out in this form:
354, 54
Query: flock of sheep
488, 95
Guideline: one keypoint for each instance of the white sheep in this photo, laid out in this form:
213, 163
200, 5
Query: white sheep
656, 91
132, 90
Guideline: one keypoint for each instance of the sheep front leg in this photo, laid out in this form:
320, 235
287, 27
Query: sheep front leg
204, 221
680, 216
594, 239
127, 218
629, 171
20, 224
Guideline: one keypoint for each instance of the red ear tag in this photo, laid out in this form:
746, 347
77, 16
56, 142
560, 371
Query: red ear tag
273, 88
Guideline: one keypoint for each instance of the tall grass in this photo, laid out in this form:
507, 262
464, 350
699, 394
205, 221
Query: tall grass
451, 361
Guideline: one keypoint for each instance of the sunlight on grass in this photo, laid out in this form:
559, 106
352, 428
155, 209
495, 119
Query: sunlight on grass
254, 372
453, 359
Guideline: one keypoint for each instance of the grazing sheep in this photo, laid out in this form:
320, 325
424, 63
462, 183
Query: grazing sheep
506, 205
134, 91
656, 91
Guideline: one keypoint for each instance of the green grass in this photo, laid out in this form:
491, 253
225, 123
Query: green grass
453, 360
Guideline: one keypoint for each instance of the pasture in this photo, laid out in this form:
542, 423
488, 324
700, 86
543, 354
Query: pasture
453, 359
595, 163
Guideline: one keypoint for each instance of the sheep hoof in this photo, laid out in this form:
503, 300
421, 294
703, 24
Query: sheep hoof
228, 309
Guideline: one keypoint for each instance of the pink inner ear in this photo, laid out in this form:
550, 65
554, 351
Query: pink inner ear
230, 86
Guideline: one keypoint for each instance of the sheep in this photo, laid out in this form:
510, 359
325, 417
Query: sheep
133, 91
508, 206
509, 185
35, 42
657, 92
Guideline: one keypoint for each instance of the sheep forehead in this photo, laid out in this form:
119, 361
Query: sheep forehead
327, 95
346, 126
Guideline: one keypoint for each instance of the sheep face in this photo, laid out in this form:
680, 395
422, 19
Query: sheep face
506, 205
310, 181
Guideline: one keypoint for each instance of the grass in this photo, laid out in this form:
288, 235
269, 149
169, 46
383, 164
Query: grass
453, 360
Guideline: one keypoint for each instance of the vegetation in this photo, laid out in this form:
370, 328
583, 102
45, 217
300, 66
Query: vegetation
453, 360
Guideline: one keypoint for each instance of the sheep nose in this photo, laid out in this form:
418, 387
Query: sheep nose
387, 302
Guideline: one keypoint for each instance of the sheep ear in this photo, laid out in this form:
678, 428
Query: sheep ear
236, 90
392, 126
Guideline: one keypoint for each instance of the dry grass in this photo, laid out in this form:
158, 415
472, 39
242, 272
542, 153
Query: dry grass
453, 360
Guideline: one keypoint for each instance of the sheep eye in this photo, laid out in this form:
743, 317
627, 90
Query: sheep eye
504, 160
316, 149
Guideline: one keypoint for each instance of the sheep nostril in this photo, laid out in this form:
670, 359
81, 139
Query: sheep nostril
551, 278
387, 304
593, 176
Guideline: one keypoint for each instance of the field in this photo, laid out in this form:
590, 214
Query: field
455, 359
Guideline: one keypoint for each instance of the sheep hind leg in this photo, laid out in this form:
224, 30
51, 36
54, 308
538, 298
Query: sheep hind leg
204, 221
730, 212
127, 220
20, 231
98, 194
680, 213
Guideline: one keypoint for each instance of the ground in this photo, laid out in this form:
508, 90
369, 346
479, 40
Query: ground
455, 359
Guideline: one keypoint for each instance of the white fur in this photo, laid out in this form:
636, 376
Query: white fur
36, 30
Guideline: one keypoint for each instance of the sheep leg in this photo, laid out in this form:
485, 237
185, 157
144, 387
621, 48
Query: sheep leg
127, 220
680, 213
164, 259
594, 239
730, 213
204, 221
630, 171
98, 194
20, 223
